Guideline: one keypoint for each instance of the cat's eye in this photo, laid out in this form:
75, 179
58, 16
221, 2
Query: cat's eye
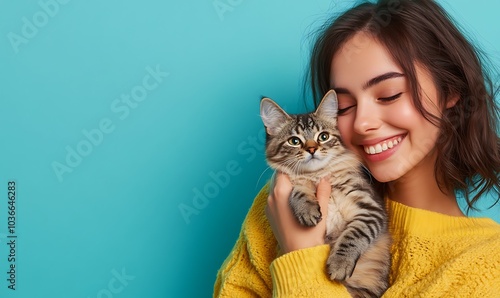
323, 137
294, 141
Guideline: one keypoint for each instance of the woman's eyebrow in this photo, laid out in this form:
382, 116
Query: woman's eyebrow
382, 77
341, 91
371, 82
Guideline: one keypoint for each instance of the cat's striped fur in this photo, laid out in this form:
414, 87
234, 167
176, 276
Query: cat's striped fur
308, 147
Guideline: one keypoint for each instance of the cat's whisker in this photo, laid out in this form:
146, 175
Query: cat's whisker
294, 167
369, 173
262, 174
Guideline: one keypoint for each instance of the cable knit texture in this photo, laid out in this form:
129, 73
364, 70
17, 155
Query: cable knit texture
433, 255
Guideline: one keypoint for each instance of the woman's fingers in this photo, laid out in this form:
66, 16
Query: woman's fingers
323, 192
287, 230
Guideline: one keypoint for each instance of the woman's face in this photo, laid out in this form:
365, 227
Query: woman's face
377, 118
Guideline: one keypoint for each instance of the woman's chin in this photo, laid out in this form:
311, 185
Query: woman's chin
385, 176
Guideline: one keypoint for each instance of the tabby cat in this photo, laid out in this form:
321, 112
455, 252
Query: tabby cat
307, 147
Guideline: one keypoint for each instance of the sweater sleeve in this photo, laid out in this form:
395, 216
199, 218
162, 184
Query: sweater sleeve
302, 273
252, 269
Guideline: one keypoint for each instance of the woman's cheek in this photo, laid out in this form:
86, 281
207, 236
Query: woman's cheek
345, 128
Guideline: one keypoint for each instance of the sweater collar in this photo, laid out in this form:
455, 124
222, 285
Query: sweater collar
409, 220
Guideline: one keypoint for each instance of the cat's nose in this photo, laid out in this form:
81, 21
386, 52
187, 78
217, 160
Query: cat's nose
311, 146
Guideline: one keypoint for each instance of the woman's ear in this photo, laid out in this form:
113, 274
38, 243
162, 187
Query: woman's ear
452, 100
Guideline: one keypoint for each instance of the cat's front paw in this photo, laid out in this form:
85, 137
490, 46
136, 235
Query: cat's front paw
306, 210
309, 217
340, 267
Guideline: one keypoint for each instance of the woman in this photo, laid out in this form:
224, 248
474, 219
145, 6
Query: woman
404, 75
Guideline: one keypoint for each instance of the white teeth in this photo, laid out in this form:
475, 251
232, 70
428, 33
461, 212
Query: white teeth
382, 146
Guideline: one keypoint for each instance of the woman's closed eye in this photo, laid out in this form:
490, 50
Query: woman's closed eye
346, 107
342, 111
390, 98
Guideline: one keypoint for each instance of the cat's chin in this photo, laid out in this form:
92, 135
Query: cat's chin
313, 165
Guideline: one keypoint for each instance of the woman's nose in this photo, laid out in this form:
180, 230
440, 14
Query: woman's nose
367, 117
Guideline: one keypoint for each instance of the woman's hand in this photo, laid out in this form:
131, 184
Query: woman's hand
287, 230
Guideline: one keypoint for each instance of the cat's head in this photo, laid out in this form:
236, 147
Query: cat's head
305, 143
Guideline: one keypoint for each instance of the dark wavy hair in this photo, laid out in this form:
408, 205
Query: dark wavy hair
420, 31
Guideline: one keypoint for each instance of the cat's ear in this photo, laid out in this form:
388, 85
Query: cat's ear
272, 115
328, 107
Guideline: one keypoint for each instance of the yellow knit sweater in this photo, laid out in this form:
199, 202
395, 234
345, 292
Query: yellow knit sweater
433, 255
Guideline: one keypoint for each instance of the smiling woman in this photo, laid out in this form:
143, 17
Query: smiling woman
406, 78
378, 108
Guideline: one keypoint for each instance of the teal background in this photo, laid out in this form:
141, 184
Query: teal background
118, 210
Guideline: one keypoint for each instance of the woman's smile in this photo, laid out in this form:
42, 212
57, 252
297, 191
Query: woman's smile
382, 150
